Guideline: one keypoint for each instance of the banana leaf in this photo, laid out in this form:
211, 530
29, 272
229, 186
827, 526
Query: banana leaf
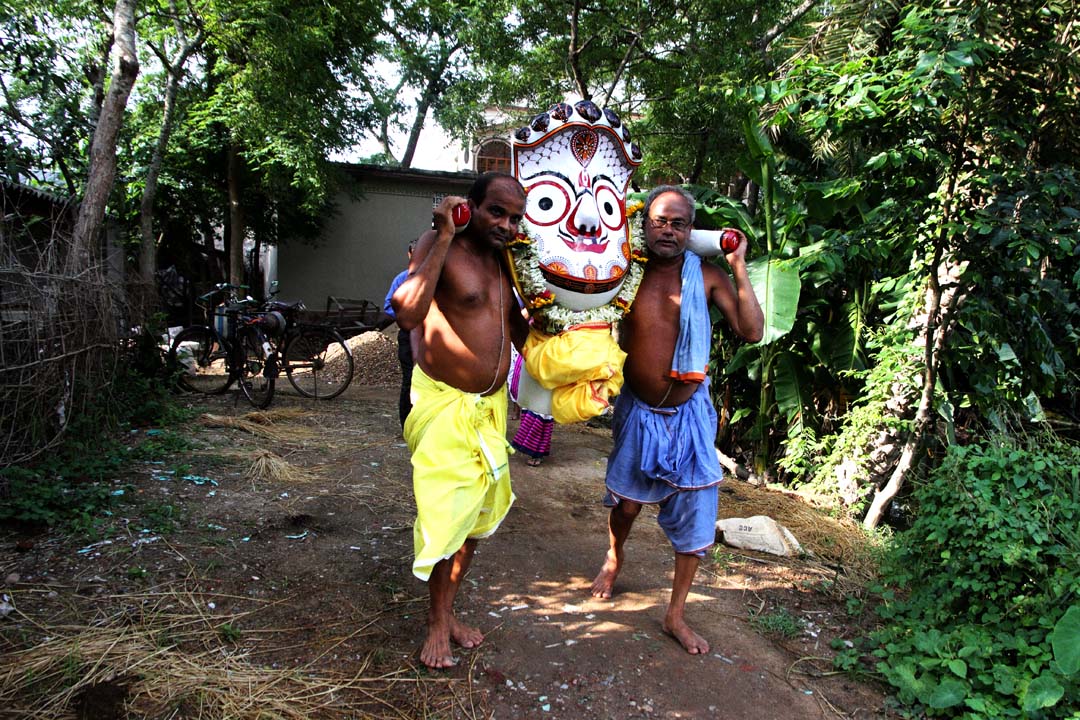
777, 286
793, 390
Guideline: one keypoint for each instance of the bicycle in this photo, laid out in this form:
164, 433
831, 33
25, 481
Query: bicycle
209, 362
316, 359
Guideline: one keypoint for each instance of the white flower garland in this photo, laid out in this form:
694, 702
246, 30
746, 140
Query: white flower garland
553, 318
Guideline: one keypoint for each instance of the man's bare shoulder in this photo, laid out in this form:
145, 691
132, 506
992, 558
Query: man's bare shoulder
714, 276
711, 271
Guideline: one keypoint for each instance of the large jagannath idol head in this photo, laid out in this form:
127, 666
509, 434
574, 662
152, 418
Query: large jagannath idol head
575, 162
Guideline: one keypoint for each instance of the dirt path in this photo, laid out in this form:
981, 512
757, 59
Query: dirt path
314, 573
569, 655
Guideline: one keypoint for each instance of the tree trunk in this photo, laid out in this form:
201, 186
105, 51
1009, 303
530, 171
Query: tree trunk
96, 71
236, 219
737, 185
581, 81
944, 297
102, 169
148, 247
258, 289
699, 158
752, 190
623, 64
763, 42
384, 113
885, 495
431, 91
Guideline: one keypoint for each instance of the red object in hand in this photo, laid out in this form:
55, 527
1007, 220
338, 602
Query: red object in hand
461, 215
730, 240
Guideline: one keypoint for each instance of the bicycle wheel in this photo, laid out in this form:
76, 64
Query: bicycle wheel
200, 358
318, 363
258, 371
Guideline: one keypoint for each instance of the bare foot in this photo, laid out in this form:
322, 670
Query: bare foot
465, 635
690, 640
436, 650
534, 461
604, 583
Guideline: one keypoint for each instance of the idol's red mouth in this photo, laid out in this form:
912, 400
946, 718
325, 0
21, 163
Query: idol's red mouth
579, 244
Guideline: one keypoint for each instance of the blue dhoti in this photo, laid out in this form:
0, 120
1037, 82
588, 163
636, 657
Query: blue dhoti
667, 457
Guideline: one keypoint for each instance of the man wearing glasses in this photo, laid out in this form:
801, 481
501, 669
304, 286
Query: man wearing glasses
665, 423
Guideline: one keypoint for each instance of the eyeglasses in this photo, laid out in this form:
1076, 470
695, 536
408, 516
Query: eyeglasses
661, 222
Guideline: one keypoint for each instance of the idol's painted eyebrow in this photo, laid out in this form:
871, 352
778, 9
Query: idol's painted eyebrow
549, 173
601, 176
552, 173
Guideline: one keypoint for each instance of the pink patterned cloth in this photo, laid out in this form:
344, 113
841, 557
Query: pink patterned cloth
533, 436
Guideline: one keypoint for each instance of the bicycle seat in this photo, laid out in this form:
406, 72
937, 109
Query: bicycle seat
239, 306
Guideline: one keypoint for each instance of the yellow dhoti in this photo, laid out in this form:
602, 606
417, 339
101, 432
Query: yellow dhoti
461, 477
582, 366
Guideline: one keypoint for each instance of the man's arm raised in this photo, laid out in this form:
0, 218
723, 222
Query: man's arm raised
412, 299
739, 303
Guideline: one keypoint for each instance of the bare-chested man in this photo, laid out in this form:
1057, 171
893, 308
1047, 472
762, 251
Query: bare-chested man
665, 424
458, 294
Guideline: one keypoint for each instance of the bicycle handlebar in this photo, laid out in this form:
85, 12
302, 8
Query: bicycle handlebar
240, 306
221, 287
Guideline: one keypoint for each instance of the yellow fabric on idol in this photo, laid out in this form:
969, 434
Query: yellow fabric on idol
582, 366
461, 477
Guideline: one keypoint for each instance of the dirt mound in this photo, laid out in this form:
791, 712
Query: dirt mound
374, 359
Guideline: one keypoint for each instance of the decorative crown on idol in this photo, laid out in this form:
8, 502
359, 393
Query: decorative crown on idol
575, 260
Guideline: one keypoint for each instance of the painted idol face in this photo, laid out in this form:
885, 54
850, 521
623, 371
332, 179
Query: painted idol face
575, 163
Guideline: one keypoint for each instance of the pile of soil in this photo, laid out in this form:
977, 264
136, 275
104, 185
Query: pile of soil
375, 359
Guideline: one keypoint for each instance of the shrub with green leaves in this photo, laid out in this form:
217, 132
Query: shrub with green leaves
72, 485
988, 576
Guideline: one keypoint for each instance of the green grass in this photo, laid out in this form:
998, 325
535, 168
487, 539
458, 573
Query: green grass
778, 623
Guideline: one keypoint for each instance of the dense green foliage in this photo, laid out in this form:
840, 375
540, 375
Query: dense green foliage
664, 65
73, 487
981, 624
929, 160
42, 60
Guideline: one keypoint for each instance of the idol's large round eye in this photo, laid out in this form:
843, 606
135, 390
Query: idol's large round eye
610, 207
547, 202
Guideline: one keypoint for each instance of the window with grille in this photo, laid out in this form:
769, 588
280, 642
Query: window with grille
493, 156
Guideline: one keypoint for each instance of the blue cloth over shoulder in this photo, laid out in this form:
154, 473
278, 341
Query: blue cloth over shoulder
394, 285
690, 362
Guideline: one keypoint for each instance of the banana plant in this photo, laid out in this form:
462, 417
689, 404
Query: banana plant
813, 333
776, 282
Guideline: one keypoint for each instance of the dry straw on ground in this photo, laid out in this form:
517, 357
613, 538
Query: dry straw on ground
840, 543
263, 423
273, 415
268, 466
163, 662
